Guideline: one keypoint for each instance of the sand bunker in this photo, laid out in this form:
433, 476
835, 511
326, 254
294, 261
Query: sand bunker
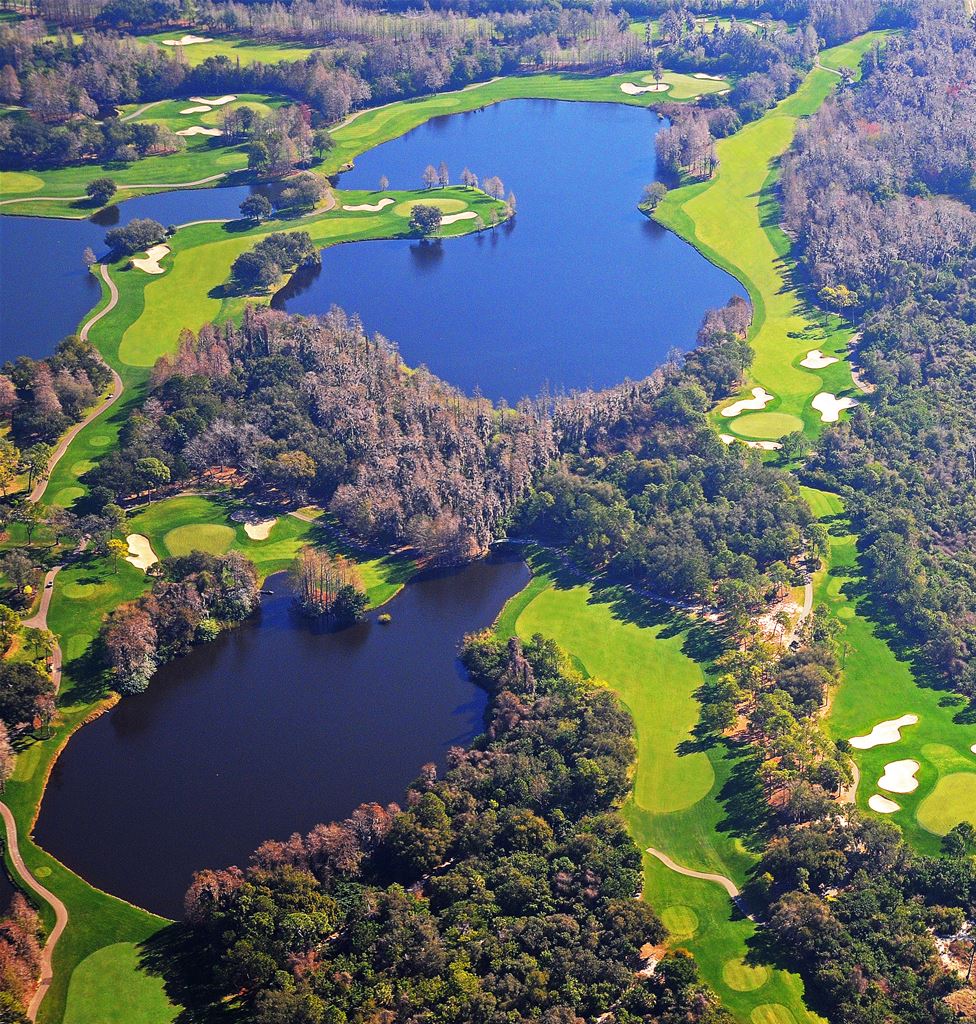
726, 438
187, 41
198, 129
150, 262
766, 446
884, 732
761, 398
973, 748
195, 110
830, 406
708, 78
899, 777
259, 530
452, 217
141, 554
883, 805
372, 207
218, 102
629, 89
816, 360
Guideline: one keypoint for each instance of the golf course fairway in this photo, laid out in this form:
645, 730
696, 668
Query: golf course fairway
733, 219
685, 802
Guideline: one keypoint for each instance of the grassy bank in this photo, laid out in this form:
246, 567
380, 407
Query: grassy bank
734, 220
689, 801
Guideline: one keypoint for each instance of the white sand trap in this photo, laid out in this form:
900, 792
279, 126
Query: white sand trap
816, 360
187, 41
371, 207
708, 78
760, 399
218, 102
259, 530
196, 110
899, 776
198, 129
726, 438
723, 92
883, 805
150, 262
973, 748
830, 406
766, 446
884, 732
141, 554
629, 89
452, 218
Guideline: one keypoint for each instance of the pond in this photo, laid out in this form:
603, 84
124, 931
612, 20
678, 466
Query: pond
580, 290
272, 729
45, 288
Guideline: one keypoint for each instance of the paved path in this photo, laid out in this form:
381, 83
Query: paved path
60, 910
706, 876
38, 490
39, 621
139, 111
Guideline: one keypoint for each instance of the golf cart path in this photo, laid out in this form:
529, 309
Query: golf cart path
150, 184
705, 876
38, 491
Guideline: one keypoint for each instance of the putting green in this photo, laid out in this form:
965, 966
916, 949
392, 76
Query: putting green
952, 801
109, 987
772, 1013
66, 496
404, 209
79, 590
680, 921
18, 182
76, 645
745, 977
210, 537
100, 440
765, 426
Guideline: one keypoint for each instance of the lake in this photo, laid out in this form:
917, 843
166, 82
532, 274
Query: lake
581, 290
45, 288
272, 729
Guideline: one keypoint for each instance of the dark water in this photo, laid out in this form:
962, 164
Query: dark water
45, 289
581, 290
270, 730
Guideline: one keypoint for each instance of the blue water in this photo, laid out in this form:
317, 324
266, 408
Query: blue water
45, 289
581, 290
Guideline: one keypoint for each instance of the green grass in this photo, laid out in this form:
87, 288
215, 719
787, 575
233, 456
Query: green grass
734, 220
235, 48
213, 538
952, 801
684, 800
108, 987
204, 156
878, 685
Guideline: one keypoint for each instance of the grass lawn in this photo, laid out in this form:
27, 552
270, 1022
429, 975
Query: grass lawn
203, 157
235, 48
691, 803
878, 686
109, 987
734, 220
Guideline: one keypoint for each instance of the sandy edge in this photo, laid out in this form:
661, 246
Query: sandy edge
198, 129
629, 89
187, 41
899, 776
830, 406
150, 262
761, 398
816, 360
260, 530
883, 733
371, 207
141, 554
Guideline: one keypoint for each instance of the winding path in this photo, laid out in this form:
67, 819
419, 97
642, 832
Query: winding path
39, 621
60, 910
38, 491
727, 884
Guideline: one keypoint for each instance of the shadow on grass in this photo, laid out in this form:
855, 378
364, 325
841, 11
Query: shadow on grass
181, 957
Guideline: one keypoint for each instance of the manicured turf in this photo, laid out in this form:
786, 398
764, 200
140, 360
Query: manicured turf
733, 219
765, 425
235, 48
212, 538
204, 156
879, 686
684, 800
109, 987
952, 801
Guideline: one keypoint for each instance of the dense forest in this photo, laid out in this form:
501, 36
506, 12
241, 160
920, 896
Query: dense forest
880, 193
502, 892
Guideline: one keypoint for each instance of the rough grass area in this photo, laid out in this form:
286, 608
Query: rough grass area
110, 987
